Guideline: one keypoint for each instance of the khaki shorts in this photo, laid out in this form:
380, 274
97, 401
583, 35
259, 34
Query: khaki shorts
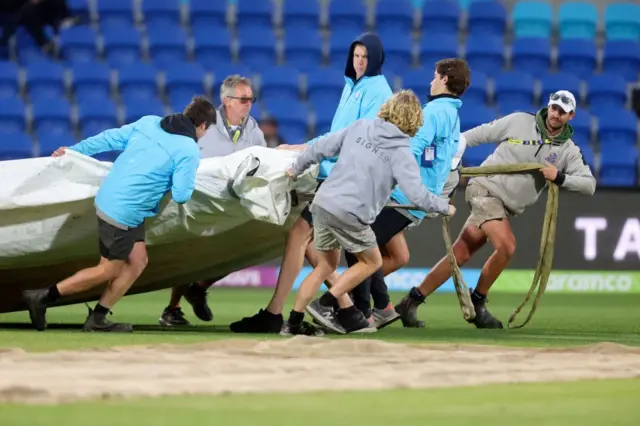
327, 235
483, 205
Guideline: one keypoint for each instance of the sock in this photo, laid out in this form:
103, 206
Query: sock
328, 300
295, 318
416, 295
53, 294
100, 311
478, 297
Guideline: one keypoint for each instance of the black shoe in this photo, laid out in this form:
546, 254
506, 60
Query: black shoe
483, 318
36, 301
325, 316
355, 322
303, 329
262, 322
173, 317
197, 297
95, 324
408, 309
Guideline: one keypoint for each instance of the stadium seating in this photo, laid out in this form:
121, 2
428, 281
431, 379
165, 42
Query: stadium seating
486, 18
532, 19
622, 21
577, 20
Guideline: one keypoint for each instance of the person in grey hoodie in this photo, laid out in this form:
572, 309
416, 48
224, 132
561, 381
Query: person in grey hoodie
374, 155
545, 138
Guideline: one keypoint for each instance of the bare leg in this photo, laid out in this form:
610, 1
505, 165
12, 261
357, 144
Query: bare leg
88, 278
176, 295
327, 263
369, 261
396, 254
128, 275
504, 242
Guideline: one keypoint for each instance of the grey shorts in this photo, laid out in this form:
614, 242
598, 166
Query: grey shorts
329, 235
452, 183
483, 205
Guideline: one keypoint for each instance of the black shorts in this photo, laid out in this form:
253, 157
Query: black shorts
116, 243
306, 213
388, 223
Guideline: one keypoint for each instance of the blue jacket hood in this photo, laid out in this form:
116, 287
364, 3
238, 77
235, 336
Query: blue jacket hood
375, 56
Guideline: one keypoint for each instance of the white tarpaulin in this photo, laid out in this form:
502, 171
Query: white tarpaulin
48, 226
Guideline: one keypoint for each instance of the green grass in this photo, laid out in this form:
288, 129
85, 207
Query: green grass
561, 320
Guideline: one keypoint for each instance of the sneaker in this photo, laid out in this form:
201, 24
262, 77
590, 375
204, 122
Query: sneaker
304, 329
326, 316
173, 317
408, 309
36, 301
355, 322
483, 318
93, 324
197, 297
262, 322
384, 317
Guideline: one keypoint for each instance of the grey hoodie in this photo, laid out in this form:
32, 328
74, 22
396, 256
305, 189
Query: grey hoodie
218, 142
374, 155
518, 191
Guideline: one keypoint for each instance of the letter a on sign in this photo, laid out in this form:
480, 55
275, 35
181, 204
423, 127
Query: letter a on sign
629, 241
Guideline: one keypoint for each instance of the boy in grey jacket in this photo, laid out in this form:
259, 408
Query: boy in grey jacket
373, 156
543, 138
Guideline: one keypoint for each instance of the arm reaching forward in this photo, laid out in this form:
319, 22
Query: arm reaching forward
327, 146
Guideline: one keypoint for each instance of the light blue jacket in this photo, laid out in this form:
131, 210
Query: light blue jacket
435, 145
159, 154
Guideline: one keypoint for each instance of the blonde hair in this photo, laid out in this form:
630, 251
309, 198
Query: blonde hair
404, 111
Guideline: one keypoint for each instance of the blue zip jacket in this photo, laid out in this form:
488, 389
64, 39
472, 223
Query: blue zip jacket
159, 154
360, 98
434, 145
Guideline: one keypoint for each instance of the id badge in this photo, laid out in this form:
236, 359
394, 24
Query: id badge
428, 156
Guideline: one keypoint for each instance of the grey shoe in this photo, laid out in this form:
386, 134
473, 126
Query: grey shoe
95, 324
304, 329
36, 301
384, 317
325, 316
408, 309
172, 317
483, 318
197, 297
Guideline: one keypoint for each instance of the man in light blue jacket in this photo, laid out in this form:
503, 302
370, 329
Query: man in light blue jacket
159, 155
365, 90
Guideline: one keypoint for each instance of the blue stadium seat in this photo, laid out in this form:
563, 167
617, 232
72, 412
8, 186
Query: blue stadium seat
208, 13
256, 111
514, 87
183, 81
122, 46
292, 119
398, 50
622, 57
324, 86
577, 20
257, 47
255, 13
212, 45
78, 44
12, 115
434, 47
222, 71
532, 19
487, 18
581, 124
134, 110
552, 82
27, 50
78, 7
577, 56
473, 157
303, 48
622, 21
477, 90
45, 80
52, 115
9, 83
473, 115
347, 15
301, 15
138, 81
115, 13
506, 108
339, 44
324, 112
532, 55
161, 12
167, 45
94, 118
441, 16
619, 167
280, 83
418, 80
91, 80
485, 53
617, 126
606, 91
48, 142
588, 156
394, 15
15, 146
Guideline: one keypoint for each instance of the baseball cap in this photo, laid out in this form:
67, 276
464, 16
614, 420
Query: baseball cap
564, 99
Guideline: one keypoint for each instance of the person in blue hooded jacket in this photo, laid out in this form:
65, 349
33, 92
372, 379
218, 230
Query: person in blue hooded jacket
159, 155
365, 90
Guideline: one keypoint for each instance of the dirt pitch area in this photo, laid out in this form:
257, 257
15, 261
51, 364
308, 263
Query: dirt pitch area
298, 364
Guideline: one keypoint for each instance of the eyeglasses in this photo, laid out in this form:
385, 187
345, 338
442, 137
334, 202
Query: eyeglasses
563, 98
243, 100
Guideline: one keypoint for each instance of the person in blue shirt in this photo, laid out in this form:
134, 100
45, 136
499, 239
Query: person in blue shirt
434, 148
365, 90
159, 155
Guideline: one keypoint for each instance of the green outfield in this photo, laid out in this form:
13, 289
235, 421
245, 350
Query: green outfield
561, 320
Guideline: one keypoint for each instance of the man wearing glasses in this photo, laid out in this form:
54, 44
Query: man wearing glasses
545, 138
234, 130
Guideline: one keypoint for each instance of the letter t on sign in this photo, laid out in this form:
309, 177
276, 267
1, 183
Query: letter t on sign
590, 226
